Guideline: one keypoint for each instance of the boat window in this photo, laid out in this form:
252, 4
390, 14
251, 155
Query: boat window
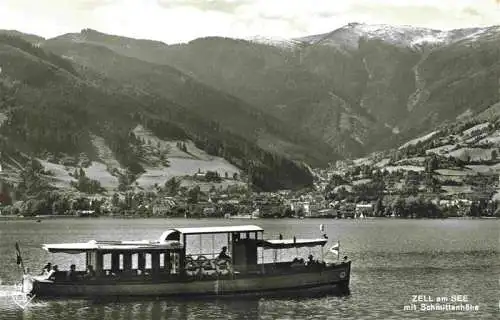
243, 235
208, 245
166, 262
135, 261
106, 261
148, 260
162, 260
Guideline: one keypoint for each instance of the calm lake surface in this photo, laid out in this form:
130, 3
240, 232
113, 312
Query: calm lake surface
392, 261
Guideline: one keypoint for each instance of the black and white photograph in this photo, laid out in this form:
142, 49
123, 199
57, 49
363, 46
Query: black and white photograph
249, 159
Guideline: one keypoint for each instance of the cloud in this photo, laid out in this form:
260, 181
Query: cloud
183, 20
225, 6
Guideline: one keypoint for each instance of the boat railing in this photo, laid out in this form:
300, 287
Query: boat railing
204, 267
204, 256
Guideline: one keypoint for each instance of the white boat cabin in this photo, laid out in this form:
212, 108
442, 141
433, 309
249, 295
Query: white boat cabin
183, 252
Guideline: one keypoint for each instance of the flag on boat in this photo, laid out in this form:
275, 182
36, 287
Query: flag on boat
335, 248
19, 260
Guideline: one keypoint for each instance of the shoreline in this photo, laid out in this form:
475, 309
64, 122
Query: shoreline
52, 217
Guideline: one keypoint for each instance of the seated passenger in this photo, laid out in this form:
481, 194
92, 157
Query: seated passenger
46, 270
90, 273
72, 274
310, 260
52, 274
223, 255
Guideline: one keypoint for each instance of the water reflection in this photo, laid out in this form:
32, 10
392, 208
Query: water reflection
140, 310
145, 309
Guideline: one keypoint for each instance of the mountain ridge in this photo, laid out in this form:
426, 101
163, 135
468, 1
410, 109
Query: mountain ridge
29, 105
403, 35
307, 102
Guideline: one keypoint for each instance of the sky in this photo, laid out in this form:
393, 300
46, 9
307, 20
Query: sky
174, 21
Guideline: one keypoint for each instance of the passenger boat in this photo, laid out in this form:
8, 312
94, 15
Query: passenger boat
185, 262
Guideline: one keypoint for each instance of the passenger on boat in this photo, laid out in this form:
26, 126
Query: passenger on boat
310, 260
46, 270
52, 273
90, 272
223, 255
72, 274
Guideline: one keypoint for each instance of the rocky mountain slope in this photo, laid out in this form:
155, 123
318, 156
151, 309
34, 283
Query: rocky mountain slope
230, 113
359, 88
348, 37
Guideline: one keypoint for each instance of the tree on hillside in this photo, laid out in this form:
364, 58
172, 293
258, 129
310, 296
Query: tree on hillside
125, 180
129, 203
31, 183
494, 154
194, 194
397, 206
379, 208
172, 186
431, 163
115, 200
5, 197
87, 185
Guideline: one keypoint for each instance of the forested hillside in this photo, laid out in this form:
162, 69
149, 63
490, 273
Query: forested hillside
53, 106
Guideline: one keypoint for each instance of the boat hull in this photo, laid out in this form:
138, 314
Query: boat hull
329, 280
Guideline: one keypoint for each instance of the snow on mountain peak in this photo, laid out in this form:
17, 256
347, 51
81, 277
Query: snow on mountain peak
275, 41
348, 37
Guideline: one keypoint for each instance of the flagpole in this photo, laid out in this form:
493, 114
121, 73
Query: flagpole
20, 258
338, 254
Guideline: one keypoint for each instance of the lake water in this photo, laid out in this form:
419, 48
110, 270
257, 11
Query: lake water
393, 260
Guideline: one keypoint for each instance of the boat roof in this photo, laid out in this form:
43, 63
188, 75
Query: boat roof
292, 243
110, 246
225, 229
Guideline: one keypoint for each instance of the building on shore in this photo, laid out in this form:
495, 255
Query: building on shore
364, 210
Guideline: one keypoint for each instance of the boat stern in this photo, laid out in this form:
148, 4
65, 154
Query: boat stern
345, 276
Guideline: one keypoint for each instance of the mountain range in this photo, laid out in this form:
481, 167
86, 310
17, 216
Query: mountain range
271, 107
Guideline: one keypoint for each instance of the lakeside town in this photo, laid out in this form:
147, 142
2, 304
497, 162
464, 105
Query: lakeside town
450, 172
345, 190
